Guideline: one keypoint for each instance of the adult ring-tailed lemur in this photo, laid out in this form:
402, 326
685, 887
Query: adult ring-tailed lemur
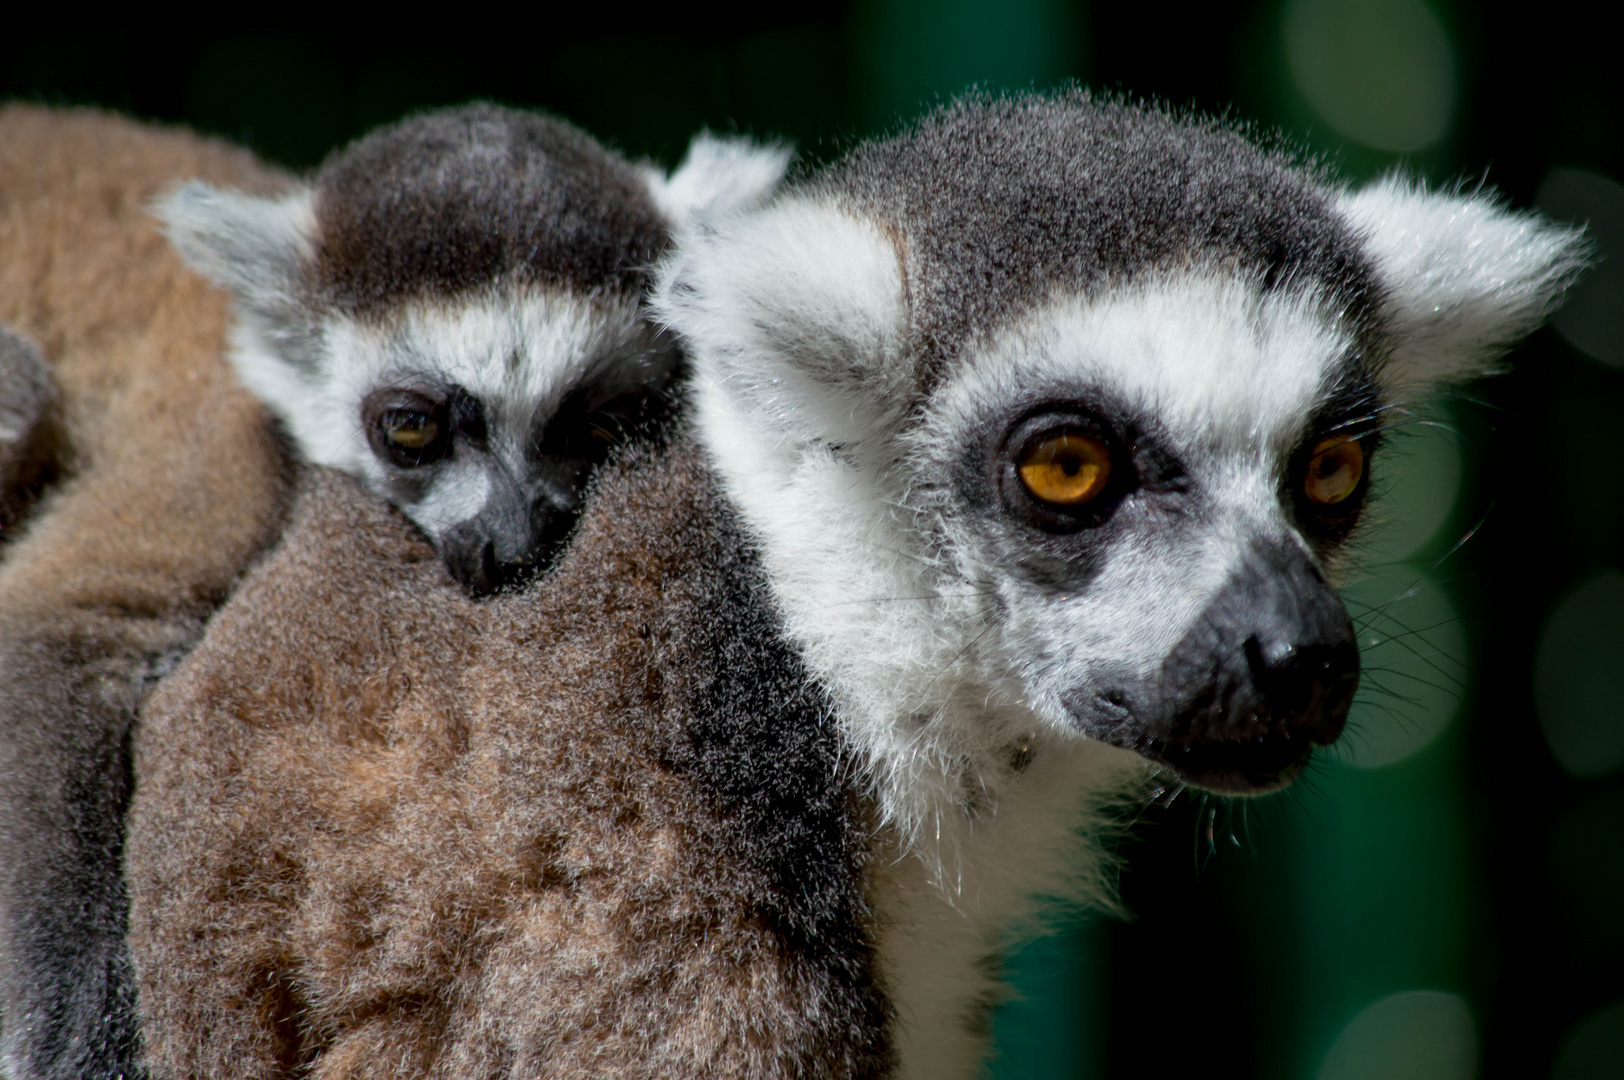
451, 309
1023, 450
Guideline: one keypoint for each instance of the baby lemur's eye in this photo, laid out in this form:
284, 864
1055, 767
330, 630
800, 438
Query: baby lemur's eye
1067, 470
408, 429
586, 429
1335, 467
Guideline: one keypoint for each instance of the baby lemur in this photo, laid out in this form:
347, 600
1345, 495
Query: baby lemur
451, 309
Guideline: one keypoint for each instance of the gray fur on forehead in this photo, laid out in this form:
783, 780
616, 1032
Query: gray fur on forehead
999, 201
452, 201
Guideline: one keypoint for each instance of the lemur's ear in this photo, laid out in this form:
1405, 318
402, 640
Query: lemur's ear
798, 312
1464, 276
255, 247
718, 176
249, 245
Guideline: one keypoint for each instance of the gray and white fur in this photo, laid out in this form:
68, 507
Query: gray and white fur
876, 350
452, 311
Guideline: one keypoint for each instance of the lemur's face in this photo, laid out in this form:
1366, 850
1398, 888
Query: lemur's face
1148, 485
483, 420
1054, 418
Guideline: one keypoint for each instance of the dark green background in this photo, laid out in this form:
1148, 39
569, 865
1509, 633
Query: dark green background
1478, 865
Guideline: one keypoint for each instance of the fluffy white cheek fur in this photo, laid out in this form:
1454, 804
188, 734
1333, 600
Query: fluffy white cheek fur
458, 495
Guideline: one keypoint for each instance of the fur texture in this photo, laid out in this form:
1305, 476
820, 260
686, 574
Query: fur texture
598, 828
874, 349
171, 481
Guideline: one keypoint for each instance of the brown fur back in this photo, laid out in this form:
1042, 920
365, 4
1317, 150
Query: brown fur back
170, 480
176, 472
387, 831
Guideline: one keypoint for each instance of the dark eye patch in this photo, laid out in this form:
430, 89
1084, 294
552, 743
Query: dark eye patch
1352, 420
1012, 465
592, 420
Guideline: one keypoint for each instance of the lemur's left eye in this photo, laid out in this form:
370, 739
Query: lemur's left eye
582, 430
1335, 467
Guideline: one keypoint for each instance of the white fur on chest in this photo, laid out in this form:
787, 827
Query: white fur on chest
942, 942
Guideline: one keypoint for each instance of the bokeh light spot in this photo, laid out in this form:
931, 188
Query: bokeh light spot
1594, 1047
1579, 677
1381, 72
1592, 317
1412, 1035
1413, 661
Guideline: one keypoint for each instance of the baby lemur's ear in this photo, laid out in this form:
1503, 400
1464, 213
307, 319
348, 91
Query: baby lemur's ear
718, 176
1464, 277
252, 246
256, 248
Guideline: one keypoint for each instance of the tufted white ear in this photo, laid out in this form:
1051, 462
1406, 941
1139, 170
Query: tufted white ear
1465, 277
254, 248
249, 245
718, 176
796, 313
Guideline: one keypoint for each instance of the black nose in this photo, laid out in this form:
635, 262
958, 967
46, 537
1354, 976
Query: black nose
1267, 672
478, 569
1306, 687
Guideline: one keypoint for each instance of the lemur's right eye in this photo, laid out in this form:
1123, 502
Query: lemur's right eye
1069, 469
1062, 470
409, 430
406, 428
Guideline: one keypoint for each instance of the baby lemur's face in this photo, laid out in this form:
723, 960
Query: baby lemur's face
484, 419
453, 311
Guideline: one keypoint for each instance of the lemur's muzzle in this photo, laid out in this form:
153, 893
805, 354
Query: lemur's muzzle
1266, 673
515, 536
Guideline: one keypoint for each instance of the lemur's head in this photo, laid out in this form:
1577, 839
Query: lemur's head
1054, 416
452, 310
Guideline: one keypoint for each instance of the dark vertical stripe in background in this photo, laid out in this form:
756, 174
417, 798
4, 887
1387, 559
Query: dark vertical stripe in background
1444, 897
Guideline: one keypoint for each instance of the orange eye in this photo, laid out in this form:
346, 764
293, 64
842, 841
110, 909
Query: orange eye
1066, 470
1335, 470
